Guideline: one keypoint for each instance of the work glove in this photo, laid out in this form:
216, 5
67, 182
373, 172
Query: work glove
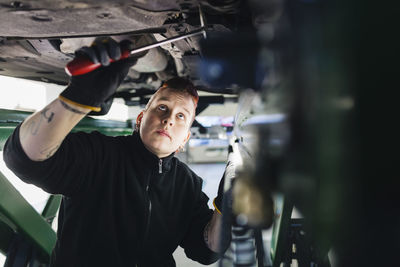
229, 173
223, 204
92, 90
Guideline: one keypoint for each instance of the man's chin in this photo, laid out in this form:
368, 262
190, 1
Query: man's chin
160, 151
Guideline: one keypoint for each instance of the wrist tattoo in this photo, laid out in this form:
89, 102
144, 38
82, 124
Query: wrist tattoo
33, 125
68, 107
49, 118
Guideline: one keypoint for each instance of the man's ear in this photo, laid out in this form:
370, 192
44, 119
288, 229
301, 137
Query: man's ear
139, 120
187, 138
180, 148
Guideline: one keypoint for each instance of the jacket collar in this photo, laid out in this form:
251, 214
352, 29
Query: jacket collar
149, 159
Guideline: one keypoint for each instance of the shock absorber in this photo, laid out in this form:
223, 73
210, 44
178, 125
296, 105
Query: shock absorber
243, 247
241, 250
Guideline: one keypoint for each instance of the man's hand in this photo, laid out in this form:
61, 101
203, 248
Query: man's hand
229, 174
92, 89
43, 132
212, 232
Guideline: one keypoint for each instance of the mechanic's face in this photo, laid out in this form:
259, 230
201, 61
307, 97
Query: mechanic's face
166, 122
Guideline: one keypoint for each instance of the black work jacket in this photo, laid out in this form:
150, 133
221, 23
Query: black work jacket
122, 205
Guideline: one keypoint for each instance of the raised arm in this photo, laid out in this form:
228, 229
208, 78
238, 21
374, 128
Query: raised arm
43, 132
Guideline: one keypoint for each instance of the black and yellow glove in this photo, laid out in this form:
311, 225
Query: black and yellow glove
218, 201
92, 89
223, 204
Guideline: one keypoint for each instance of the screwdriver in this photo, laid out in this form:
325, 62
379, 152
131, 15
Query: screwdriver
82, 65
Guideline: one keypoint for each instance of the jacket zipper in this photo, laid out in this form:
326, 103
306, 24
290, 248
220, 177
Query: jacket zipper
149, 205
146, 232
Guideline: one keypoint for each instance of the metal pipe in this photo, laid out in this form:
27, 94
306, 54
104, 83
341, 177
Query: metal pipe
167, 41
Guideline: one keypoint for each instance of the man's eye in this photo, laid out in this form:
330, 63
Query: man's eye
162, 108
181, 116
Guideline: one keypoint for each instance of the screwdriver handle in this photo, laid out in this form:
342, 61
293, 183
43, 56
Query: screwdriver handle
83, 65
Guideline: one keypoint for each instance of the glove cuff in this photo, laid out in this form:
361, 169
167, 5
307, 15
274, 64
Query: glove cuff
68, 101
215, 206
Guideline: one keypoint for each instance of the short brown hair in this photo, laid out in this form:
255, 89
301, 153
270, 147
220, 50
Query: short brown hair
180, 85
184, 85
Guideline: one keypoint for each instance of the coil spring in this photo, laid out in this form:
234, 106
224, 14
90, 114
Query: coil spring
241, 252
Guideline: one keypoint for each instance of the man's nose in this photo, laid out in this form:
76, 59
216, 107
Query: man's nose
168, 120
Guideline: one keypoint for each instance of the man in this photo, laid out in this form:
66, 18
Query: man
127, 200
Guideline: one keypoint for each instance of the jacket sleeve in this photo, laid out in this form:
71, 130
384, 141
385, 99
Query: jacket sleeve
70, 170
193, 243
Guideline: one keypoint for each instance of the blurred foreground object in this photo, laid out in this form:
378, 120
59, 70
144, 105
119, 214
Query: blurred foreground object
314, 133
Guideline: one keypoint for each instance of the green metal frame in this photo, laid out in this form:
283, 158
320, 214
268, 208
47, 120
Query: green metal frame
283, 213
50, 210
19, 216
6, 234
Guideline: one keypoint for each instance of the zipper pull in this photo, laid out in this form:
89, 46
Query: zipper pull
160, 166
